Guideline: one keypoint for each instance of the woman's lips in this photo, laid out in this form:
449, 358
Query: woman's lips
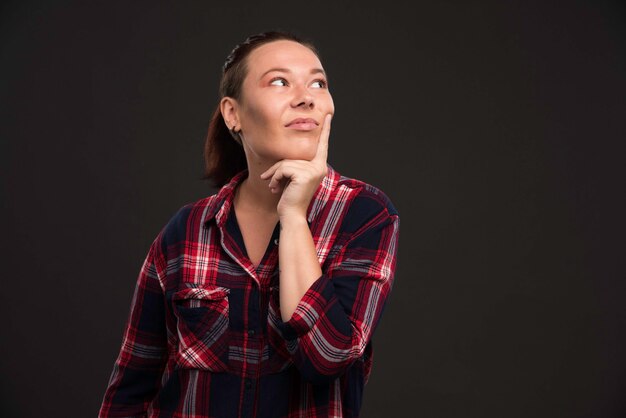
303, 124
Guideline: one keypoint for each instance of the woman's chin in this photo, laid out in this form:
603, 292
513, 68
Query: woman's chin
298, 150
290, 148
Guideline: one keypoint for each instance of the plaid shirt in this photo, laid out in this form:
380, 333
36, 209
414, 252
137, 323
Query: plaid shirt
205, 337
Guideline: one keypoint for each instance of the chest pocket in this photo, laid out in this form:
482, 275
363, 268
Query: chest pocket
202, 315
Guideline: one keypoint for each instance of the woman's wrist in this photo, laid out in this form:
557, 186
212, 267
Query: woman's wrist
292, 220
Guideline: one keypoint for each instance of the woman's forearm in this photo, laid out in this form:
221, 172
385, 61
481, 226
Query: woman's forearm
298, 266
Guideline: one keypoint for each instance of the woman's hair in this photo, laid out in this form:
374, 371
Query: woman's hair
223, 153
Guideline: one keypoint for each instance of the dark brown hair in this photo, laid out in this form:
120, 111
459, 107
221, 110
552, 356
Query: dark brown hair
223, 153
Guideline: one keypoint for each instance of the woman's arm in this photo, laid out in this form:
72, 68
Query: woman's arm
137, 371
299, 267
332, 315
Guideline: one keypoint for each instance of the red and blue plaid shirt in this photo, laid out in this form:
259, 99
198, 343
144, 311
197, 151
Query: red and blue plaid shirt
205, 337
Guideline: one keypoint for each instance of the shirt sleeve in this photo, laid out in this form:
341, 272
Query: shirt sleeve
336, 317
137, 371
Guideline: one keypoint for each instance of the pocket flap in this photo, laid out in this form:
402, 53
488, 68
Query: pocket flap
210, 293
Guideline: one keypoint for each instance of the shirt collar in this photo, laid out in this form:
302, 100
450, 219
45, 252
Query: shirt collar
219, 206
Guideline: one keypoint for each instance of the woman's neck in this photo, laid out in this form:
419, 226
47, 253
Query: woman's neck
254, 195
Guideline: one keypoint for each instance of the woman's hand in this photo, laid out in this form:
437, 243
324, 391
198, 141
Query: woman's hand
298, 180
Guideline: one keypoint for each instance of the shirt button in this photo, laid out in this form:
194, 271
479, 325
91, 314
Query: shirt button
248, 384
251, 332
276, 241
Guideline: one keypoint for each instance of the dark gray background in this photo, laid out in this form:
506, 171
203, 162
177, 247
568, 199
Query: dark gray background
496, 128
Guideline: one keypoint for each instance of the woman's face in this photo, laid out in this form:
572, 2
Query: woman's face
285, 82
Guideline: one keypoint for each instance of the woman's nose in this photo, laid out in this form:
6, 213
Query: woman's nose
303, 99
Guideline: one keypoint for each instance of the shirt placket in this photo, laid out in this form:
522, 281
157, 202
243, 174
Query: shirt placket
252, 349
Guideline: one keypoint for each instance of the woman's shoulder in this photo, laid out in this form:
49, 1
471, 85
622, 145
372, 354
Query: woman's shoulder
361, 208
368, 197
368, 207
188, 216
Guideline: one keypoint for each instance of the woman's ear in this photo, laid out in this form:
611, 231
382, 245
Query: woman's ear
228, 108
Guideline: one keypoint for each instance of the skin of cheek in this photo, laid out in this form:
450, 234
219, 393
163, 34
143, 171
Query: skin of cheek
258, 132
269, 140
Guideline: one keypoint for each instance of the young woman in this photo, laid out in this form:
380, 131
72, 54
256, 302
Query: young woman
261, 300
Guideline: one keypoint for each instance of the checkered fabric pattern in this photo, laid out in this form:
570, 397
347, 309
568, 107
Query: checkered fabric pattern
205, 337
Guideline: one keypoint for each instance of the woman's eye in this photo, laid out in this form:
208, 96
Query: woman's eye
320, 83
277, 81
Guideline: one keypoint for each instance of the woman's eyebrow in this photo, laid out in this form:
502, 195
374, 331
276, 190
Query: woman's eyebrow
286, 70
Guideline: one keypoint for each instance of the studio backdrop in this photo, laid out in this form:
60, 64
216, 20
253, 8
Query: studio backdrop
495, 128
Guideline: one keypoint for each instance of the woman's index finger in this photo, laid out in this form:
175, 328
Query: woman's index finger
322, 145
